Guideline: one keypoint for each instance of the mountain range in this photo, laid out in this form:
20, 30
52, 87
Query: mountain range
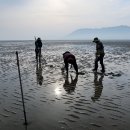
116, 32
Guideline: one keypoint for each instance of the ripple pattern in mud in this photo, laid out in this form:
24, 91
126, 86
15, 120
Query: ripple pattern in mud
85, 101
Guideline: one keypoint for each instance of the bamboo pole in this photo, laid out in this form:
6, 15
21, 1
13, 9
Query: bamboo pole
21, 88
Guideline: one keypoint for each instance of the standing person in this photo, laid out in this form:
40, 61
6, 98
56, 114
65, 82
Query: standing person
38, 46
99, 54
70, 59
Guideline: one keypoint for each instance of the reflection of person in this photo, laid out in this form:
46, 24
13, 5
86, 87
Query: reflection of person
39, 73
99, 54
70, 86
98, 86
70, 59
38, 46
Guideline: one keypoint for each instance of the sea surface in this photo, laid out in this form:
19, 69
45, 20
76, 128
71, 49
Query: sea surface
55, 101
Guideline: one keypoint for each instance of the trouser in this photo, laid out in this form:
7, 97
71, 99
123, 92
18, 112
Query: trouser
38, 52
74, 65
99, 58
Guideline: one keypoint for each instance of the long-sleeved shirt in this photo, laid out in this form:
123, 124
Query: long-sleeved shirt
99, 48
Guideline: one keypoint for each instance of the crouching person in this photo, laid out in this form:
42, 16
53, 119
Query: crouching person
70, 59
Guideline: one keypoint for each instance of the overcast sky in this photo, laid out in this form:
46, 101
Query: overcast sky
54, 19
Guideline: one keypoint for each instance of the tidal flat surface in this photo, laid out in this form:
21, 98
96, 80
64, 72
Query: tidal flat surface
55, 101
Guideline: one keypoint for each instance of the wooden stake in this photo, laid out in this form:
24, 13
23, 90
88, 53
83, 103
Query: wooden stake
21, 88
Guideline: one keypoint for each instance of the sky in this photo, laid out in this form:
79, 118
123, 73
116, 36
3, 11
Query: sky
54, 19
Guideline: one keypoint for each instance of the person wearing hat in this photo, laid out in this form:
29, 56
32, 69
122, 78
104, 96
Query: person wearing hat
99, 54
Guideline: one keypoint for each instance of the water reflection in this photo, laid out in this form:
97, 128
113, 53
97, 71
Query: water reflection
26, 128
57, 91
98, 86
70, 83
39, 76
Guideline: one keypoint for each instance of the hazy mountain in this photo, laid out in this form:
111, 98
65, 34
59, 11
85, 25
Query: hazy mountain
117, 32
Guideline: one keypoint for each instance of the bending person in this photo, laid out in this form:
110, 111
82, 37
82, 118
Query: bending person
70, 59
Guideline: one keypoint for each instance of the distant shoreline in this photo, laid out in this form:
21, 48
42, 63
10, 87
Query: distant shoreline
68, 40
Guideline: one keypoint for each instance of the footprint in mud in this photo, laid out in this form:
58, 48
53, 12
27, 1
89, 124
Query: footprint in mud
81, 73
116, 74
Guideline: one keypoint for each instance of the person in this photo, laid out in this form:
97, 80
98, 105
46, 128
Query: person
38, 46
99, 55
70, 59
70, 86
98, 86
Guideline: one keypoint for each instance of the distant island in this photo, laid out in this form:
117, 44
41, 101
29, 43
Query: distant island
116, 32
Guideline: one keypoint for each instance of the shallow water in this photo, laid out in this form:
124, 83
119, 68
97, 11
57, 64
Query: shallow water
54, 101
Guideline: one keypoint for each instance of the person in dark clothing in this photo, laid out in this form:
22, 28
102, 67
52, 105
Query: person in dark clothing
70, 59
38, 46
99, 54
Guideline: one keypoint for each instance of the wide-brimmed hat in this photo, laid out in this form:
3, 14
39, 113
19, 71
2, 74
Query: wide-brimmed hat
95, 39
